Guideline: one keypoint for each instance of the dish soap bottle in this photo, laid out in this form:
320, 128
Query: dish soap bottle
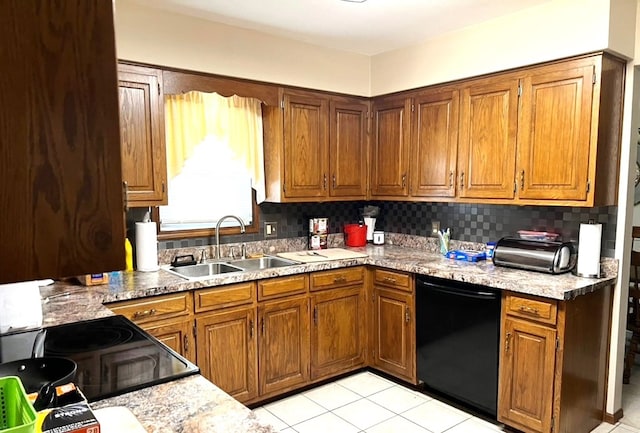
128, 249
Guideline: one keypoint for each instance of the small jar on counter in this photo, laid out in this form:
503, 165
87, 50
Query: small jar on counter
489, 249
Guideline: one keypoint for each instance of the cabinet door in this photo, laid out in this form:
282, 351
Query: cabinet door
144, 165
60, 181
526, 374
394, 328
348, 148
337, 331
435, 144
488, 129
227, 351
284, 344
175, 334
554, 132
390, 147
306, 144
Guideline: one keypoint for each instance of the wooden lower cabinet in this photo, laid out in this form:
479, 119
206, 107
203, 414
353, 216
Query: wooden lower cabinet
227, 351
394, 338
553, 362
176, 334
337, 331
283, 353
528, 363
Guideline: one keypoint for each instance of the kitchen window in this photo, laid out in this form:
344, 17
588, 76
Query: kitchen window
215, 163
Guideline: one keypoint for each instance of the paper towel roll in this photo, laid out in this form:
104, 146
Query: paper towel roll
146, 247
589, 250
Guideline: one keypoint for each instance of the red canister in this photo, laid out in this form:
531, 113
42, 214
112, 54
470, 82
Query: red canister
355, 235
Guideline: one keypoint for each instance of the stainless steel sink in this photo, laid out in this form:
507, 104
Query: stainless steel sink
265, 262
204, 270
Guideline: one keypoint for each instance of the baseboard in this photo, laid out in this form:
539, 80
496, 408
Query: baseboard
612, 419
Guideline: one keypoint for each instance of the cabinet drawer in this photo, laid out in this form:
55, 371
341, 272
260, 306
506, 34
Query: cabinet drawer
154, 308
276, 287
215, 298
397, 280
337, 278
541, 310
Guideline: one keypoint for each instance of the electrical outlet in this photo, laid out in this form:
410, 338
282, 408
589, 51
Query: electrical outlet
270, 229
435, 227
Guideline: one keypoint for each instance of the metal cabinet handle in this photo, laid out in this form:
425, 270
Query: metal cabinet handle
462, 180
315, 316
407, 314
340, 279
145, 313
451, 179
262, 325
404, 180
251, 328
507, 342
185, 343
390, 280
529, 310
324, 181
333, 180
522, 180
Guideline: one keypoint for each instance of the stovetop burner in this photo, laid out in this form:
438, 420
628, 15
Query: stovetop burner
61, 343
113, 354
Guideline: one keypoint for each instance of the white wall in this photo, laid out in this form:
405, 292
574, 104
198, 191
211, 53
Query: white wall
168, 39
549, 31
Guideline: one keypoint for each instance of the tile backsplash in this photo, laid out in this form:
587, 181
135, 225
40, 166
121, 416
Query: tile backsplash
468, 222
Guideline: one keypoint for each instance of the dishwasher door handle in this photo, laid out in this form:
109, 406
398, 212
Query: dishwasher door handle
477, 294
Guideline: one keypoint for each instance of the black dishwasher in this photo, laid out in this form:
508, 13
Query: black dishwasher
457, 340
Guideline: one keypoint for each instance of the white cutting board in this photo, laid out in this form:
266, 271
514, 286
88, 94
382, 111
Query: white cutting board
322, 255
118, 419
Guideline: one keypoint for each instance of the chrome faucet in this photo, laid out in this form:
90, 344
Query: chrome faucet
218, 231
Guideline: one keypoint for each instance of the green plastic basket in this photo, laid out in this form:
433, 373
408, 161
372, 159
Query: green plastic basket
17, 414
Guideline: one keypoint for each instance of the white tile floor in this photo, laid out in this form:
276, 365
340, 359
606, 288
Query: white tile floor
367, 403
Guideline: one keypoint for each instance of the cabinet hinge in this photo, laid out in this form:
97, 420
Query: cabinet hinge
158, 89
519, 90
282, 104
413, 108
593, 80
195, 331
588, 185
557, 344
284, 187
515, 186
553, 424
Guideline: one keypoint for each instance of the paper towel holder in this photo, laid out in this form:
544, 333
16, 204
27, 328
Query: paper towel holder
597, 274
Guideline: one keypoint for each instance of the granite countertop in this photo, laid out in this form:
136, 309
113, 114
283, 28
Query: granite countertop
198, 405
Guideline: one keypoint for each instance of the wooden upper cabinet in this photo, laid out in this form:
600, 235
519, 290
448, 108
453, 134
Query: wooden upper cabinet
558, 143
390, 147
488, 129
60, 182
306, 145
142, 137
348, 148
435, 143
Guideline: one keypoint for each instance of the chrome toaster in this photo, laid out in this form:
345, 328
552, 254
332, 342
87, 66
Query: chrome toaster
533, 255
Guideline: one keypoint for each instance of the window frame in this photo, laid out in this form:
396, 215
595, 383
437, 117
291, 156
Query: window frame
254, 227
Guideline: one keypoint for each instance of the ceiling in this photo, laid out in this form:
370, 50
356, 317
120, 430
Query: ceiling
369, 28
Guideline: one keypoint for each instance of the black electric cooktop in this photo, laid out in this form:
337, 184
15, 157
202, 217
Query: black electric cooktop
113, 354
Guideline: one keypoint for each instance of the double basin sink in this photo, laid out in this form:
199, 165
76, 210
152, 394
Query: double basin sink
205, 270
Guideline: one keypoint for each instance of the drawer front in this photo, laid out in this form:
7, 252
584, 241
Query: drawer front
216, 298
154, 308
541, 310
397, 280
277, 287
337, 278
